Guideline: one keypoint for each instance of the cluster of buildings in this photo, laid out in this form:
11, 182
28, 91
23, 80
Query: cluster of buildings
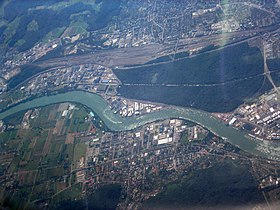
14, 59
141, 158
261, 119
129, 108
139, 23
269, 182
272, 45
113, 146
230, 25
131, 38
88, 77
148, 22
2, 126
3, 86
29, 115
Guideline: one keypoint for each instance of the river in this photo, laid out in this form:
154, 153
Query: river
116, 123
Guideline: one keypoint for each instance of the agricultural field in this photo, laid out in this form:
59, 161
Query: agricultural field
40, 152
23, 24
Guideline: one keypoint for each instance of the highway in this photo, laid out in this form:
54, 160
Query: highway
267, 72
195, 85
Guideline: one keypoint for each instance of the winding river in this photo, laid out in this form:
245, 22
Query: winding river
117, 123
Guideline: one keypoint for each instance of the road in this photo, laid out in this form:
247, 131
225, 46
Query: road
194, 85
258, 7
267, 72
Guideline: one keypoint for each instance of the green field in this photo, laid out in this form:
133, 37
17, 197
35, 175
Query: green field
23, 24
79, 152
43, 157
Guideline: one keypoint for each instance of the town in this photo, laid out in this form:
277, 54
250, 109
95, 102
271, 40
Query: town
139, 159
260, 119
63, 152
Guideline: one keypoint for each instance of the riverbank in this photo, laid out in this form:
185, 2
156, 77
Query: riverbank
116, 123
